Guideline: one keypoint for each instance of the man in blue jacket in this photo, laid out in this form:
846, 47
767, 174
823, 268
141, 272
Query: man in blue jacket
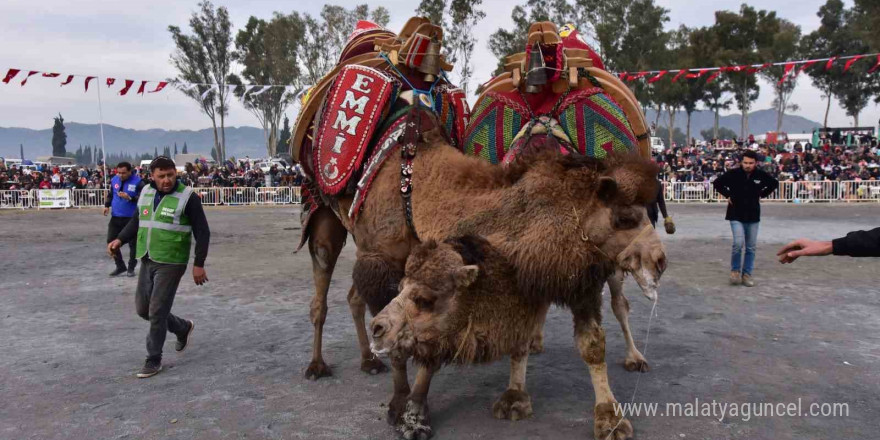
122, 204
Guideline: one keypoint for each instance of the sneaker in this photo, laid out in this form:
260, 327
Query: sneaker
735, 278
748, 281
182, 341
117, 272
131, 266
151, 368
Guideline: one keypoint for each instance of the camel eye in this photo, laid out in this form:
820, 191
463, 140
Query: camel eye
423, 303
626, 218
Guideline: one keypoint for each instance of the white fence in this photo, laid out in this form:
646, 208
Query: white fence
94, 198
791, 192
794, 192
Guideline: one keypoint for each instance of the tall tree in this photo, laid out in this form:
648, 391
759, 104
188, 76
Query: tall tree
743, 38
464, 17
433, 10
184, 148
205, 58
827, 39
175, 148
784, 47
269, 51
21, 151
59, 137
503, 42
284, 138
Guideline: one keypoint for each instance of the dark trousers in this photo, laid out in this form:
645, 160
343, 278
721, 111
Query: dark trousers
113, 229
157, 285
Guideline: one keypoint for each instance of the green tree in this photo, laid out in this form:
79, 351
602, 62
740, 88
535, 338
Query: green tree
184, 148
464, 17
784, 47
59, 137
503, 42
175, 149
205, 58
284, 139
829, 38
269, 50
21, 151
433, 10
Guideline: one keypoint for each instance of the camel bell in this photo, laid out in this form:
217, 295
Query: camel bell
430, 65
536, 75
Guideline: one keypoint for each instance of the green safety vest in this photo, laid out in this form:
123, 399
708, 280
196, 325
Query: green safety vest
164, 233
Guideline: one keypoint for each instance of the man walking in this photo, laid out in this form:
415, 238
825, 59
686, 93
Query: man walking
744, 187
169, 213
121, 203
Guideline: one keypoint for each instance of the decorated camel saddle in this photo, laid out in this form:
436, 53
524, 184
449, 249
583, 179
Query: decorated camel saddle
557, 95
353, 118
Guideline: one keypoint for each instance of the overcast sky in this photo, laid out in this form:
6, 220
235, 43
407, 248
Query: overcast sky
129, 40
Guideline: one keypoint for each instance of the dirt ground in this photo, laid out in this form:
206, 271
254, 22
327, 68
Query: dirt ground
71, 341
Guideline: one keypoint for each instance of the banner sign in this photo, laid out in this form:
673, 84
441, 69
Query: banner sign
54, 198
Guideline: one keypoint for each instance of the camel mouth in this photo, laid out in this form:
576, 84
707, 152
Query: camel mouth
646, 281
378, 350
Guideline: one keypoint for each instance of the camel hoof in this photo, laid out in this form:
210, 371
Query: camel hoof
373, 366
536, 346
513, 405
637, 364
415, 424
608, 425
317, 370
396, 408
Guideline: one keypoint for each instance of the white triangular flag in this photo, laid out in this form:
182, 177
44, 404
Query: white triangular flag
265, 88
247, 89
205, 94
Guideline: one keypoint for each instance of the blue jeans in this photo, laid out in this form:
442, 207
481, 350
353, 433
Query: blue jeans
743, 234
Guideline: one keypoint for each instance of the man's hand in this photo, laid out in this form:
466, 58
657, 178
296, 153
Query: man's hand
113, 246
669, 225
124, 195
199, 275
106, 211
803, 248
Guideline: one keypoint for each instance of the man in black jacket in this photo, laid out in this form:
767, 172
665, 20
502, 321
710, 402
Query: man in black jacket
744, 187
854, 244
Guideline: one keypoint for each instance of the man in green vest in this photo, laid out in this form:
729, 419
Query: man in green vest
168, 215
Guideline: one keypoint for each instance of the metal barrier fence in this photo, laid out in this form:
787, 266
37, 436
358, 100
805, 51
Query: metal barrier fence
790, 192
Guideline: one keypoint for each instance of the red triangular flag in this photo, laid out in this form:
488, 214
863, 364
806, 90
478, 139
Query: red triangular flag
51, 75
697, 74
110, 81
876, 66
68, 80
30, 74
850, 62
128, 84
754, 70
716, 73
680, 73
829, 63
788, 68
657, 77
622, 76
10, 74
88, 79
807, 65
159, 87
141, 88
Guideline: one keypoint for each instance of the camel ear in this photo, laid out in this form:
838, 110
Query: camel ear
466, 275
607, 188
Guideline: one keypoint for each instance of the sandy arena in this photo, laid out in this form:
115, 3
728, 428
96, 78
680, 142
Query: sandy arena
72, 341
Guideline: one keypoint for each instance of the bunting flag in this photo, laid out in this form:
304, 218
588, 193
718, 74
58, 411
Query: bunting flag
830, 63
807, 65
10, 74
128, 84
211, 88
68, 80
29, 75
715, 74
141, 88
159, 86
261, 90
51, 75
657, 77
753, 70
850, 62
788, 68
876, 65
697, 74
679, 75
110, 81
247, 89
88, 80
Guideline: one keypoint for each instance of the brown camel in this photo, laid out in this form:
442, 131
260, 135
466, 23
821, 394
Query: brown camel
564, 222
460, 304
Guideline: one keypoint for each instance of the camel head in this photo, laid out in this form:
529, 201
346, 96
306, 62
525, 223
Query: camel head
618, 225
425, 311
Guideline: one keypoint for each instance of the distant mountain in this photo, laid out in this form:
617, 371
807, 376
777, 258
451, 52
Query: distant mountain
249, 141
760, 122
240, 141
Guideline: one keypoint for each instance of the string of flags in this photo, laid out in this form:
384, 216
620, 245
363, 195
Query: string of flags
144, 86
653, 76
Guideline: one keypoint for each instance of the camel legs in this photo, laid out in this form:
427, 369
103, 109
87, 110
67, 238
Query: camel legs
370, 363
515, 403
634, 360
325, 243
414, 422
537, 344
590, 340
397, 406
